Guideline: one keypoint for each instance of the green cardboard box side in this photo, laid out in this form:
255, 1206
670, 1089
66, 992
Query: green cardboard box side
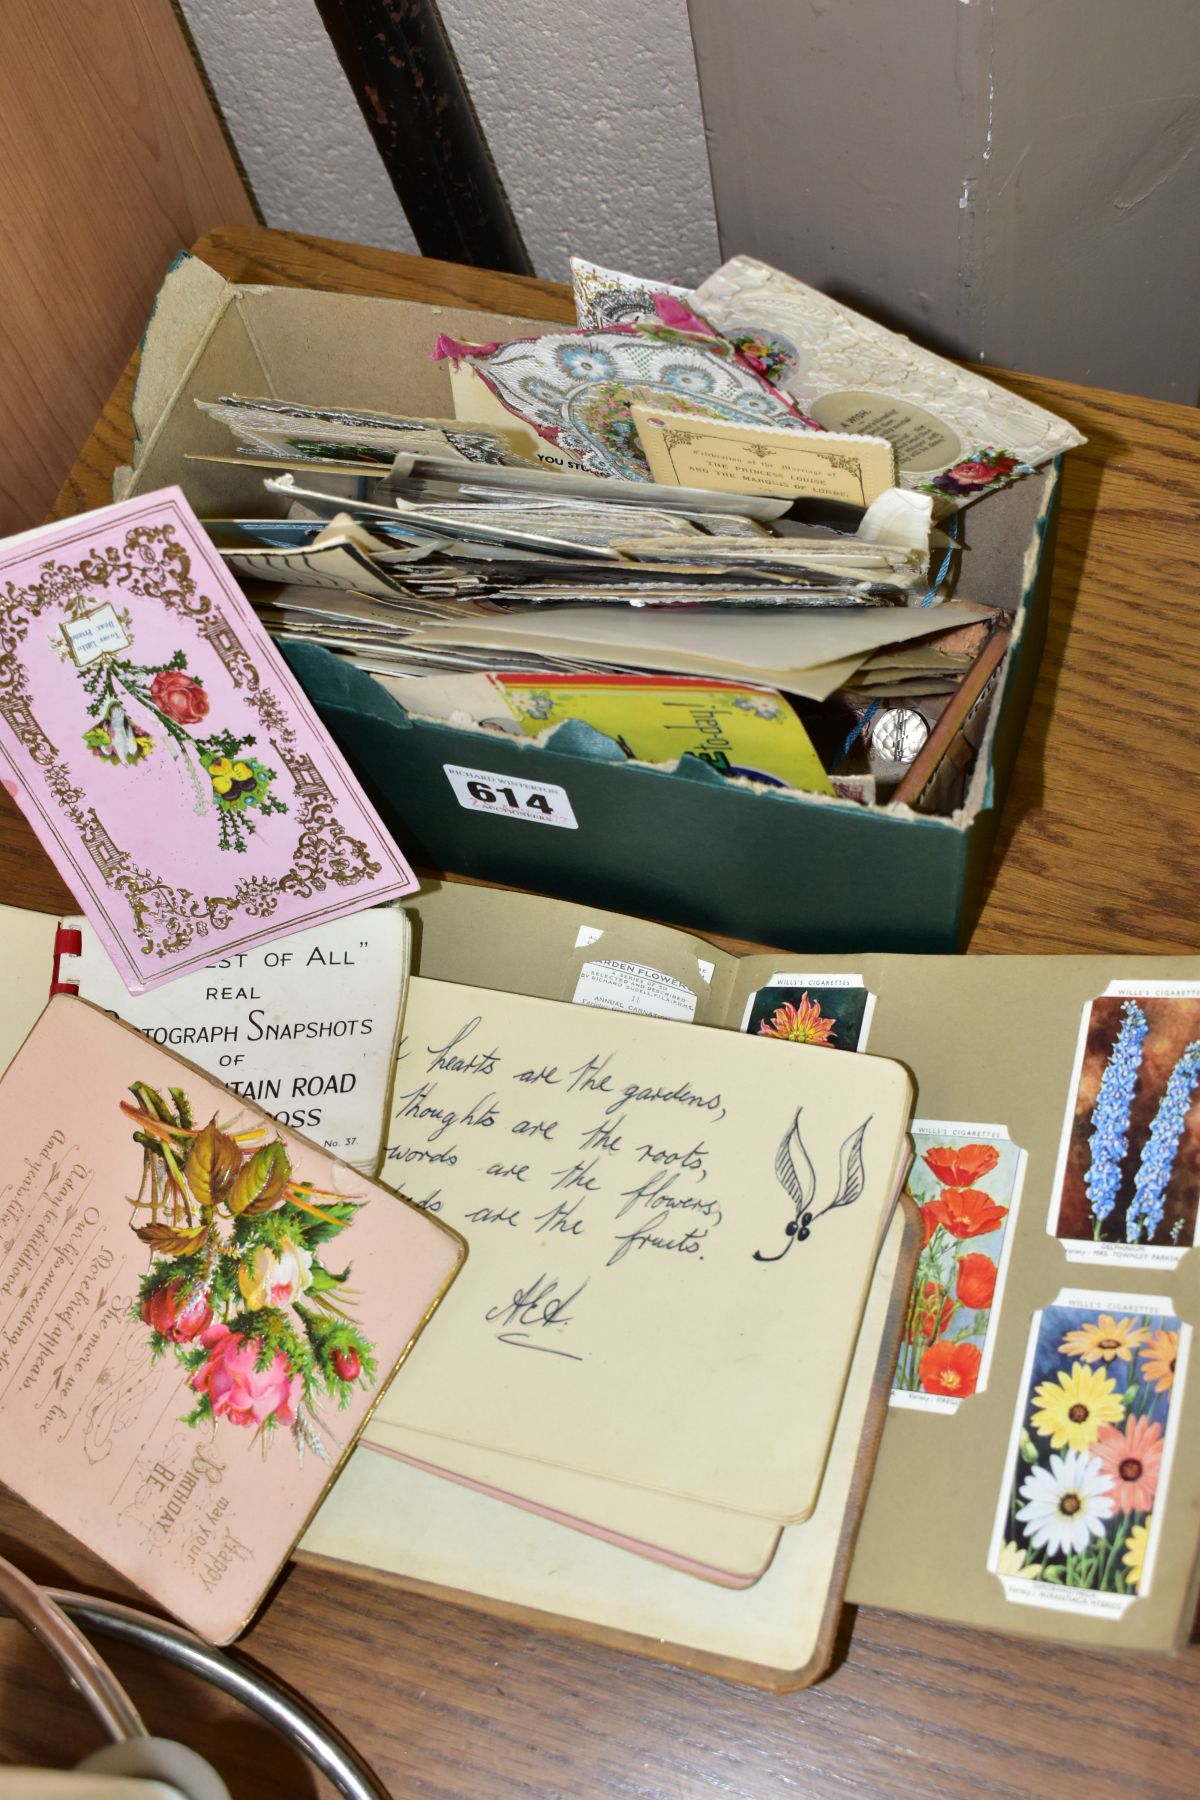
689, 846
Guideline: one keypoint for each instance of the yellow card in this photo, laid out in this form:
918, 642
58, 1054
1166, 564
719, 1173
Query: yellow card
740, 730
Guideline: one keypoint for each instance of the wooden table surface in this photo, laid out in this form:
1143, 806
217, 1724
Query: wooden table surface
1099, 849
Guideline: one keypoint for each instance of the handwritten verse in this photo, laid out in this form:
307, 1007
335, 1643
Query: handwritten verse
591, 1149
67, 1364
615, 1177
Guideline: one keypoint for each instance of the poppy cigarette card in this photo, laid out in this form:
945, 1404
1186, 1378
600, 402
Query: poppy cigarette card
199, 1311
166, 759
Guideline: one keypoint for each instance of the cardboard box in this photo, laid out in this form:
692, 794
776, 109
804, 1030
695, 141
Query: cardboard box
687, 846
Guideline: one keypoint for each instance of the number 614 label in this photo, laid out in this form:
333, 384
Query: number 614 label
539, 802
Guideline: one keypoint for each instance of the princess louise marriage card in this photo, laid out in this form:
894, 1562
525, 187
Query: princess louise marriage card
199, 1311
156, 742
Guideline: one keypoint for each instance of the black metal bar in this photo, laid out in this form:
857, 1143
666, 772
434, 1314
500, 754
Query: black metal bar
400, 64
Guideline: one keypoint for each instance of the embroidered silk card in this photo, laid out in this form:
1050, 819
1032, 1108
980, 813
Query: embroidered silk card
170, 765
198, 1312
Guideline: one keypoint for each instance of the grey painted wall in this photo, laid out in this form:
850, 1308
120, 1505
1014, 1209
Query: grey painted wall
306, 151
592, 114
1016, 181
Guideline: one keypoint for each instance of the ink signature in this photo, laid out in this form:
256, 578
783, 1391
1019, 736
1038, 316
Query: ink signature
535, 1308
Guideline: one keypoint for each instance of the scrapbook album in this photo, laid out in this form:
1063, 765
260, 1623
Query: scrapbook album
1036, 1472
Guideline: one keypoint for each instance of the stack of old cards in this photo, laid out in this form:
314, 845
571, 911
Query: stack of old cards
737, 484
672, 1342
511, 535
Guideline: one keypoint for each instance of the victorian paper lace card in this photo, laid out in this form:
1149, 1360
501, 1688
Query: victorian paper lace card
167, 760
574, 389
198, 1312
955, 434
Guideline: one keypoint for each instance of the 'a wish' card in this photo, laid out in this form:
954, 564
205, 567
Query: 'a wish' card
199, 1311
171, 767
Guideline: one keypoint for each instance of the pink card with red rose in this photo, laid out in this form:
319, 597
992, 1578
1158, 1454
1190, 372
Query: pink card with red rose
171, 767
199, 1311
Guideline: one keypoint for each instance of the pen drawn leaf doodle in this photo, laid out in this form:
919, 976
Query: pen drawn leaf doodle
796, 1175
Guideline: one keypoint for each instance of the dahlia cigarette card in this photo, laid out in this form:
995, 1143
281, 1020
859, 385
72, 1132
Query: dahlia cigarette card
199, 1311
829, 1009
159, 747
966, 1179
1128, 1173
1090, 1452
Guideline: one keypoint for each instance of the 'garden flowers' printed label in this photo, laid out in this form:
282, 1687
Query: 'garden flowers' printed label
967, 1181
1090, 1453
1128, 1175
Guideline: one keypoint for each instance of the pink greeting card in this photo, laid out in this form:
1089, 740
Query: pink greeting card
199, 1311
157, 743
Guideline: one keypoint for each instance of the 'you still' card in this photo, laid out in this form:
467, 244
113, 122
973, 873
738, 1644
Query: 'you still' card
155, 740
199, 1311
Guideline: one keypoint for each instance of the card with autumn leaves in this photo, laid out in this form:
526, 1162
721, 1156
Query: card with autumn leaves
1090, 1453
966, 1179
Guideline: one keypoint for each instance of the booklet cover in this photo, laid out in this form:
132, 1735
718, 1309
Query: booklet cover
199, 1311
168, 762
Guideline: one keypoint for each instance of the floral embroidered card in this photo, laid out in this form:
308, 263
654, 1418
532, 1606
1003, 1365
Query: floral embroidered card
162, 752
199, 1311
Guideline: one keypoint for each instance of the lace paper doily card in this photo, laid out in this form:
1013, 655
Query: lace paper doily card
574, 388
956, 435
605, 297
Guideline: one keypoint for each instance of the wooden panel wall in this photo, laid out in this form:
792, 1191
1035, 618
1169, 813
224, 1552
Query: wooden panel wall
111, 160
